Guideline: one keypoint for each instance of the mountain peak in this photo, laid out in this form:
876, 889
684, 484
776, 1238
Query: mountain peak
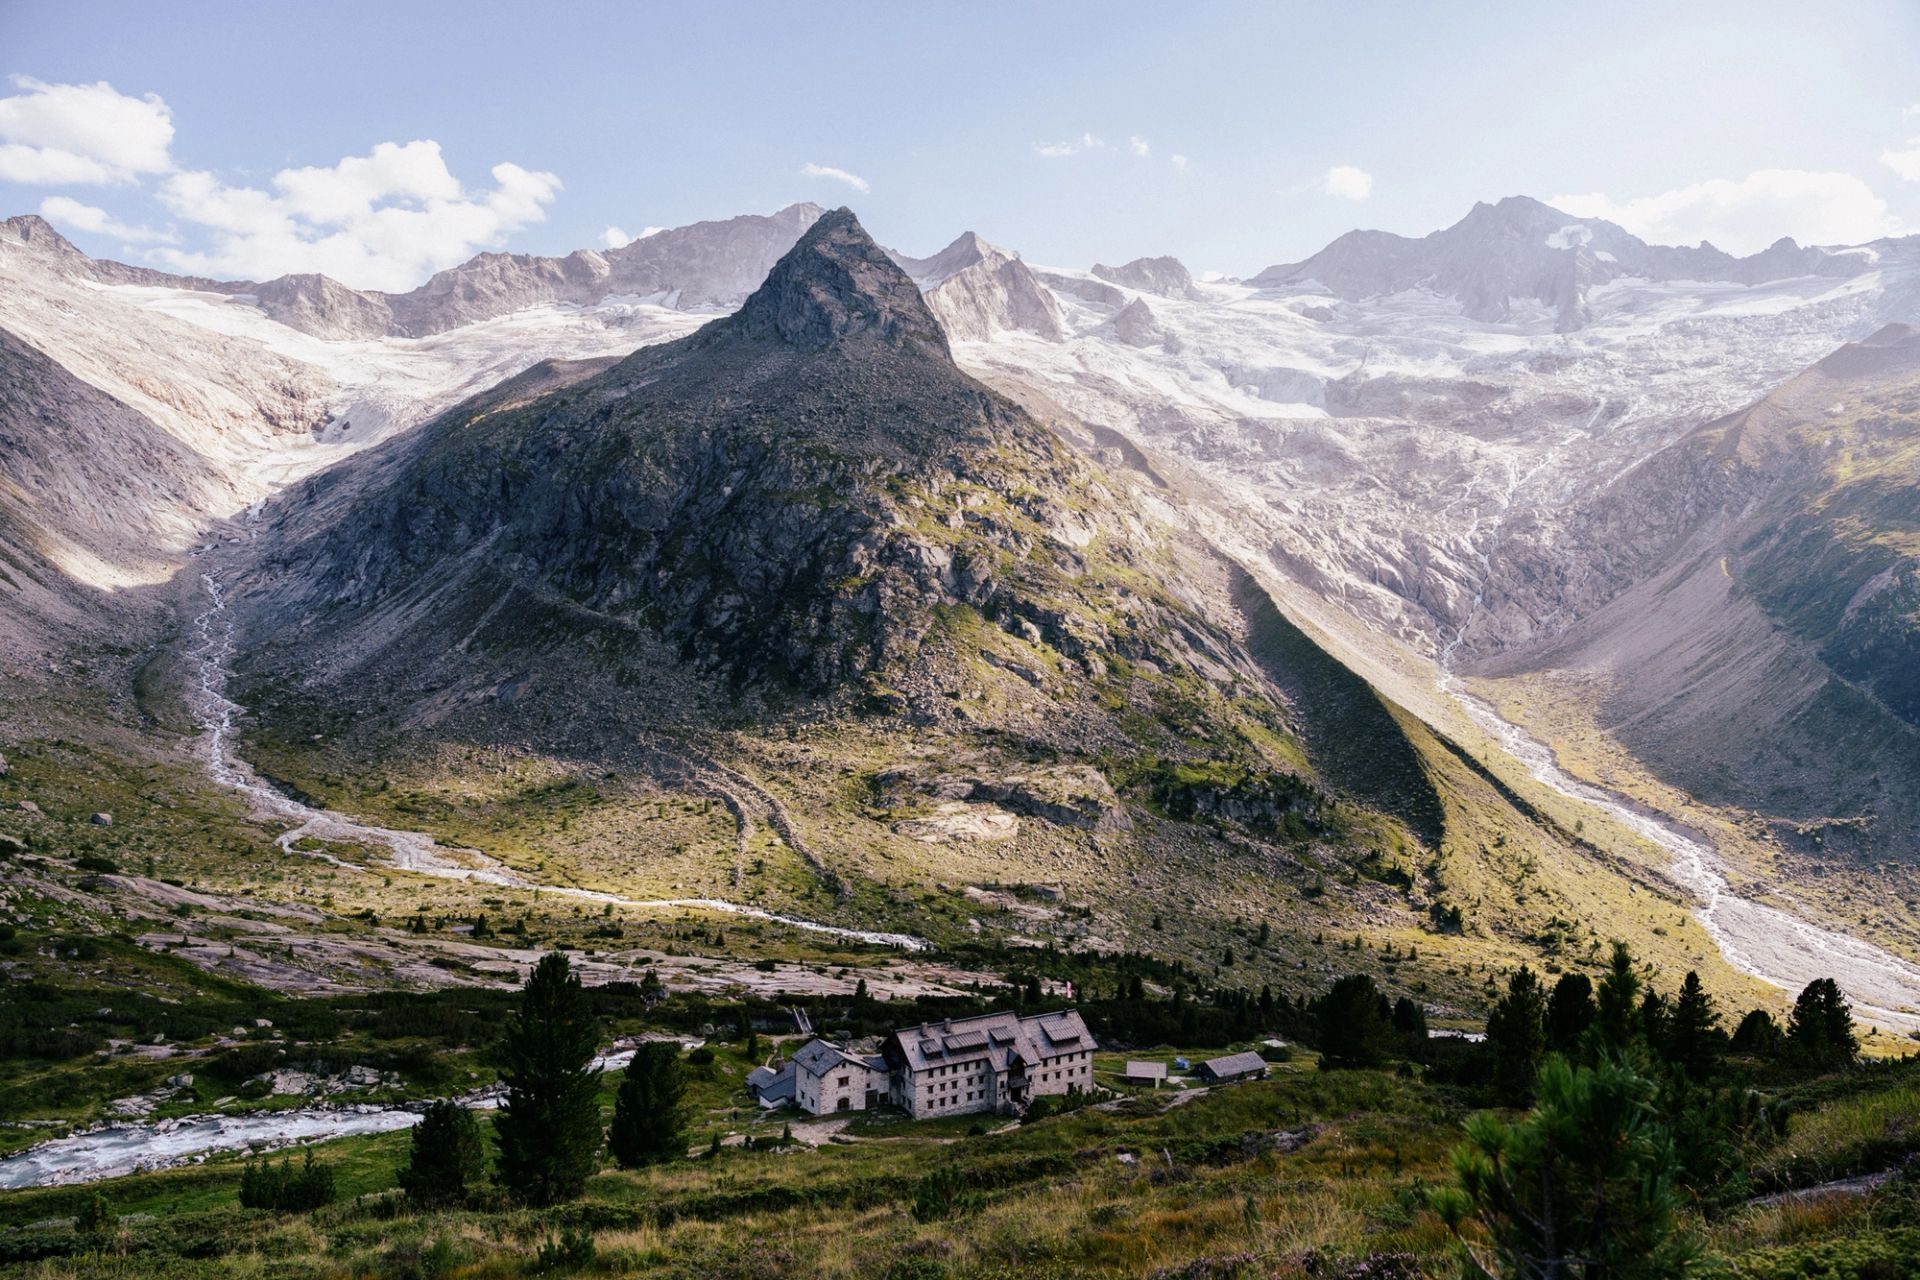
836, 284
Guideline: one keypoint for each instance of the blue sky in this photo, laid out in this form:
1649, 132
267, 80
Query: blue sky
1232, 135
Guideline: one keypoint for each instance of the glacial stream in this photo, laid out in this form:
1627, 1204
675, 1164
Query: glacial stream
1757, 939
122, 1148
408, 850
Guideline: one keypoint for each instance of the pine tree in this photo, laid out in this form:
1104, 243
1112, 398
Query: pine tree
1656, 1019
1616, 1021
1584, 1185
1517, 1034
648, 1125
1693, 1032
549, 1127
1820, 1029
1355, 1023
1758, 1033
1410, 1020
1569, 1012
447, 1156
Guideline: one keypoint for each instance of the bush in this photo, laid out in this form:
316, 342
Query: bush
1869, 1256
285, 1189
941, 1194
572, 1251
95, 1215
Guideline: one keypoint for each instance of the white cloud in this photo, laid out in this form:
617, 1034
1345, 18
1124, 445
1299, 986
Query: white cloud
1085, 142
68, 212
1905, 163
1348, 183
380, 221
853, 180
1177, 160
1139, 146
56, 134
617, 238
1746, 216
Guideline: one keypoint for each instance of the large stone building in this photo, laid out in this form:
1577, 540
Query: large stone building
997, 1062
829, 1079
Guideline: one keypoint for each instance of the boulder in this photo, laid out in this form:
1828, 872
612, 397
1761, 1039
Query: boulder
101, 819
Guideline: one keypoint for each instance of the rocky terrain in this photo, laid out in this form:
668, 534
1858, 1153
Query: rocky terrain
1046, 569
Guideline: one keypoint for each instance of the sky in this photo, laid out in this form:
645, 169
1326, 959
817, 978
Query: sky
380, 142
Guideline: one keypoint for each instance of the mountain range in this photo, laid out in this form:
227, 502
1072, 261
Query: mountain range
966, 572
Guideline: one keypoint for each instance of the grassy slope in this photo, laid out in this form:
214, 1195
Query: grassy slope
1055, 1198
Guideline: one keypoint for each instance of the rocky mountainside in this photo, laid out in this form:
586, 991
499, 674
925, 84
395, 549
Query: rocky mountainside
978, 290
807, 510
1521, 250
1749, 600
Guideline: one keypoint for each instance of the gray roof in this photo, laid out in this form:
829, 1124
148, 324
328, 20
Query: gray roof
760, 1076
1145, 1070
818, 1057
998, 1036
1235, 1064
776, 1090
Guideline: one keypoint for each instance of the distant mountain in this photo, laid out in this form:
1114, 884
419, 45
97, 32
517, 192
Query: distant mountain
705, 264
1523, 250
978, 290
1164, 276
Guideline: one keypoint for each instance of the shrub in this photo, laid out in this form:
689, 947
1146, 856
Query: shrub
285, 1189
95, 1215
572, 1251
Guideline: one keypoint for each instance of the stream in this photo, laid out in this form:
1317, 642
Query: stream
122, 1148
1766, 942
407, 850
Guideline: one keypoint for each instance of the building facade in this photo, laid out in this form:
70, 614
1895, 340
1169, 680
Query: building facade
828, 1079
997, 1062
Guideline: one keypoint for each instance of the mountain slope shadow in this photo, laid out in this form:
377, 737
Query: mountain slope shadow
1355, 739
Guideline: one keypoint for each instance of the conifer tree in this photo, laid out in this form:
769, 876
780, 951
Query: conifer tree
1693, 1031
1820, 1029
1616, 1021
1517, 1035
549, 1126
648, 1125
1569, 1012
1583, 1186
447, 1156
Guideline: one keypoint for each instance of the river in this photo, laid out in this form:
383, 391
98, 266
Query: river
1766, 942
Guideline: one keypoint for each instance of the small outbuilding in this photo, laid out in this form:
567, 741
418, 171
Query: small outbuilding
1235, 1066
1147, 1073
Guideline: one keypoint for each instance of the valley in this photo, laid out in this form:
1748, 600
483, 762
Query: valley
786, 629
